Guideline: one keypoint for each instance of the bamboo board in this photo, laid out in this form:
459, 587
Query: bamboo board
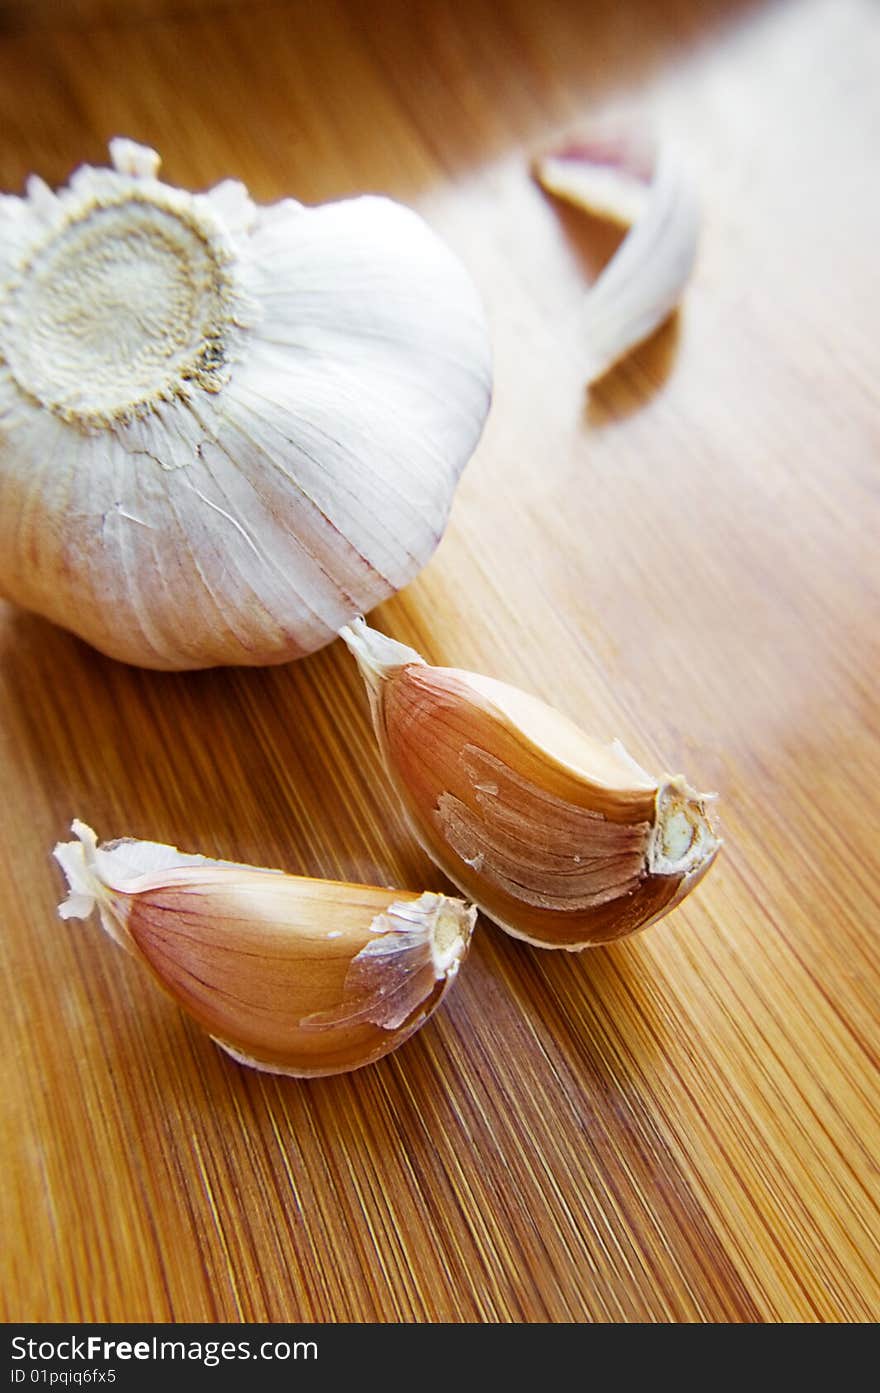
678, 1128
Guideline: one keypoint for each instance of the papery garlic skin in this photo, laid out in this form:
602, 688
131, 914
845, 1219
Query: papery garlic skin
224, 429
288, 975
561, 840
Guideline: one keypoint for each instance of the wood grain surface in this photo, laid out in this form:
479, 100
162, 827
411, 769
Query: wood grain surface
679, 1128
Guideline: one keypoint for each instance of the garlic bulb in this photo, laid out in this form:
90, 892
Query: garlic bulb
289, 975
563, 841
619, 177
224, 429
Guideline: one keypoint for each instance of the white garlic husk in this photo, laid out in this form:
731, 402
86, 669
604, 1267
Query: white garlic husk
224, 429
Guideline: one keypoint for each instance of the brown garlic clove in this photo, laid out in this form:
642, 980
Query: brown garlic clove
625, 177
561, 840
287, 974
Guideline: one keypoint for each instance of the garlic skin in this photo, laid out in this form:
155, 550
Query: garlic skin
626, 179
563, 841
288, 975
225, 429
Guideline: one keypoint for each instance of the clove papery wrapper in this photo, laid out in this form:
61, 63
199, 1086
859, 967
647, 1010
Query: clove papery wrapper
562, 840
287, 974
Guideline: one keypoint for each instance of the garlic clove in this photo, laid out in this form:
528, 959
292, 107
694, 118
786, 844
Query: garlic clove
561, 840
288, 975
224, 430
620, 178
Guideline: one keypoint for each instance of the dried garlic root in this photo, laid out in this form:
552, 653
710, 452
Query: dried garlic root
561, 840
287, 974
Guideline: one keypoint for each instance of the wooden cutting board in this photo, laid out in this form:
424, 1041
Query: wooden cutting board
678, 1128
